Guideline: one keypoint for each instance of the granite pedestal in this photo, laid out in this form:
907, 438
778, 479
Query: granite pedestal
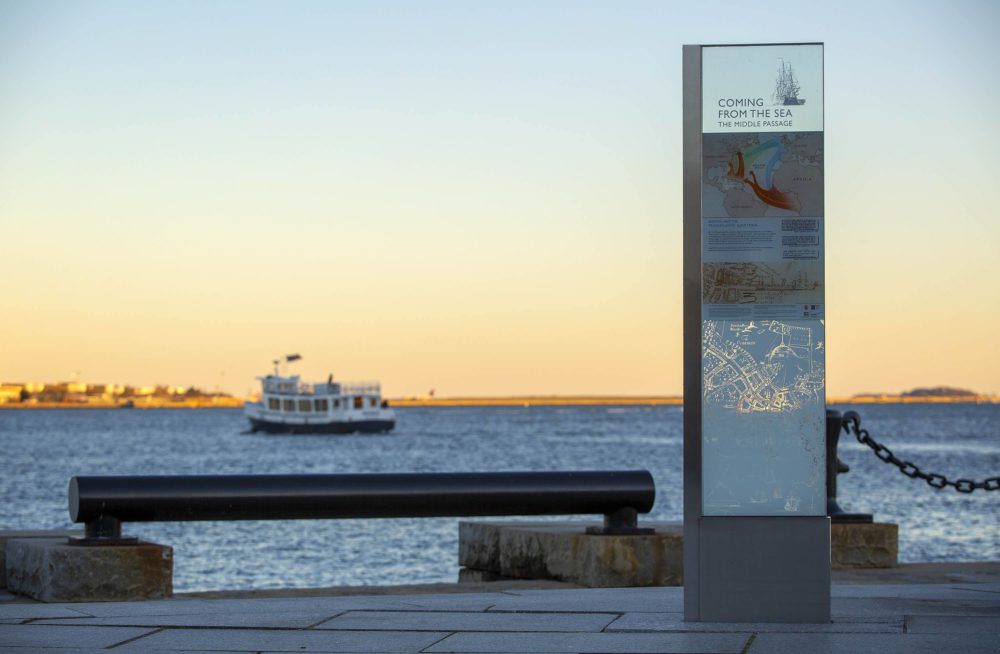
562, 551
28, 533
864, 545
490, 551
52, 570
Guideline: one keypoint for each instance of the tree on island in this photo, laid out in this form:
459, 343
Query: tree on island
939, 391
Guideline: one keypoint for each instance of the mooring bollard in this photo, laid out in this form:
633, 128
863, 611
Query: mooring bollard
834, 467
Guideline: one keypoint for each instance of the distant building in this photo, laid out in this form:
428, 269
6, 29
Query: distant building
11, 393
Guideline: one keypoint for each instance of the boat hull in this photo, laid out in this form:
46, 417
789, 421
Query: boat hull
339, 427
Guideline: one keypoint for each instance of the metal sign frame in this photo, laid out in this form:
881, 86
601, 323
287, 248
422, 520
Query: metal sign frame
736, 568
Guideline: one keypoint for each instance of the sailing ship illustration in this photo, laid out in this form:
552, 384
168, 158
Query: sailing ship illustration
786, 89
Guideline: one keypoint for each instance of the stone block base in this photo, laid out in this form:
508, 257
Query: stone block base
864, 545
51, 570
563, 552
34, 533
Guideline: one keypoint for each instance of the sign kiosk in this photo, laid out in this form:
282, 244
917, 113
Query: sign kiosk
756, 534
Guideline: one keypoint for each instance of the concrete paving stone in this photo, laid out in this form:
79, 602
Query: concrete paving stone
953, 624
848, 606
674, 622
658, 593
910, 591
871, 644
606, 600
333, 605
455, 621
200, 606
29, 635
248, 620
451, 602
285, 641
605, 643
981, 588
74, 650
26, 611
154, 607
54, 650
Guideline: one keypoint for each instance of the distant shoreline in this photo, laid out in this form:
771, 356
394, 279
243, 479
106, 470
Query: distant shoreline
504, 401
207, 403
541, 400
660, 400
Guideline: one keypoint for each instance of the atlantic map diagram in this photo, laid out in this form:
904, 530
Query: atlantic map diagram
792, 282
751, 175
763, 417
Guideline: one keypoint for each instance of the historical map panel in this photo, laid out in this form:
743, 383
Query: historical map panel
763, 406
795, 282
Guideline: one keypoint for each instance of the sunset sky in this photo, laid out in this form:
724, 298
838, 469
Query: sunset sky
481, 198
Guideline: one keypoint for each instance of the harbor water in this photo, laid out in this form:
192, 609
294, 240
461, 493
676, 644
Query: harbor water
42, 449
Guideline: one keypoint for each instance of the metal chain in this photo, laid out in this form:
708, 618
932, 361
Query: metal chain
852, 423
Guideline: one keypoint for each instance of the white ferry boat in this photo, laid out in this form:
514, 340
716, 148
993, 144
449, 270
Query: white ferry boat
288, 406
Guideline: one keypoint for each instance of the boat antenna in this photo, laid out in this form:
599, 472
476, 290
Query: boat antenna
276, 362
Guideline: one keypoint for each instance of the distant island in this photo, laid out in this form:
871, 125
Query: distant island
937, 394
939, 391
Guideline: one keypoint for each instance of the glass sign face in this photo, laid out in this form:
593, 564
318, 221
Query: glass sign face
763, 332
762, 88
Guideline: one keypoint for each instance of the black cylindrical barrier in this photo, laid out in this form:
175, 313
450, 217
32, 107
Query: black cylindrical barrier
403, 495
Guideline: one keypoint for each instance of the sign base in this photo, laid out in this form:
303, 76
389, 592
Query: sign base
765, 569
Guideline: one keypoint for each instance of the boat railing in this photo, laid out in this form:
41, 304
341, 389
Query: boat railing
361, 388
294, 387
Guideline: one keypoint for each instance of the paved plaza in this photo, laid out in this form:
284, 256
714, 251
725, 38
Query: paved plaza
876, 618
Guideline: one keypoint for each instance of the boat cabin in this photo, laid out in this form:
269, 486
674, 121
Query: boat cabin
289, 395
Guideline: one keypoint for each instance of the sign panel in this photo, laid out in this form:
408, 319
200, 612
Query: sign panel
762, 88
763, 340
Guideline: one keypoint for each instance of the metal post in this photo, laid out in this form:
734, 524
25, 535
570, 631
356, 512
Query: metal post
834, 467
623, 522
103, 530
692, 330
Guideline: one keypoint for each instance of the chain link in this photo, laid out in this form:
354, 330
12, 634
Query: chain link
852, 424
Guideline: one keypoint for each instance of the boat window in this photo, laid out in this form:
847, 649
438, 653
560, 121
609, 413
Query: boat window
274, 404
336, 404
305, 405
289, 405
322, 405
359, 403
372, 402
